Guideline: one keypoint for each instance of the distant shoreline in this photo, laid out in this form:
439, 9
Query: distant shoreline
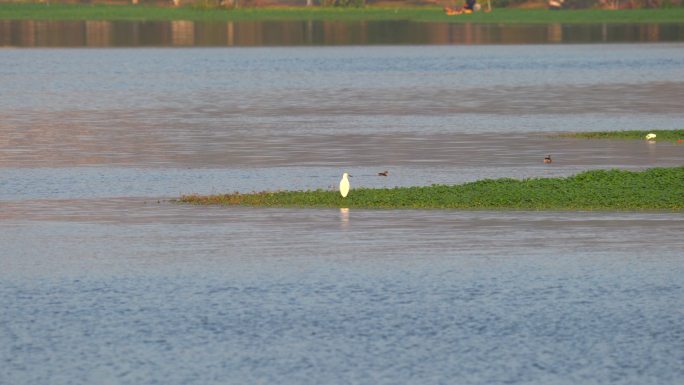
101, 12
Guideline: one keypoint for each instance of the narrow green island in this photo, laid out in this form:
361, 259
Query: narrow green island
121, 12
674, 136
652, 189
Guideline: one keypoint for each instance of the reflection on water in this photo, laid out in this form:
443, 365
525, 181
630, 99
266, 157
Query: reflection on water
191, 291
98, 289
173, 294
201, 239
292, 33
344, 217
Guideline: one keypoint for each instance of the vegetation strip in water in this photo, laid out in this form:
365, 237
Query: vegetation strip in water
676, 136
656, 188
43, 11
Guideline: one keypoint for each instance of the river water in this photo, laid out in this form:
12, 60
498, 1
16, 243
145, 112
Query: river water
182, 33
103, 280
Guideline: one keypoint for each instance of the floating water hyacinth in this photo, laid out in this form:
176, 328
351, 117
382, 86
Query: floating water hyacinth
651, 189
662, 135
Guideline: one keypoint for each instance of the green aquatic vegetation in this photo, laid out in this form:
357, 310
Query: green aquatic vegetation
48, 11
656, 188
676, 136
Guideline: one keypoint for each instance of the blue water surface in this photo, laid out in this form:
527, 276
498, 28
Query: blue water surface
104, 280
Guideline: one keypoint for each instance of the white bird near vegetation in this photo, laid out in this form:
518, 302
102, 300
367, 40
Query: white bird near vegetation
650, 136
344, 185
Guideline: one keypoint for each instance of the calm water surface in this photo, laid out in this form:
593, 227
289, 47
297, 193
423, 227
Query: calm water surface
104, 281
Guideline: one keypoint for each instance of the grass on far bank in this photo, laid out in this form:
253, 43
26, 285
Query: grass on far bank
653, 189
661, 135
44, 11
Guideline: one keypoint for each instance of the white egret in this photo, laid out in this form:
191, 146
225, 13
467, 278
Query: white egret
650, 136
344, 185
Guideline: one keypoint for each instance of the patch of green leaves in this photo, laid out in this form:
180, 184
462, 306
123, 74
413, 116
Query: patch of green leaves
661, 135
657, 188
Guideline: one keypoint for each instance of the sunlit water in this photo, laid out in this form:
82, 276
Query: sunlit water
182, 33
104, 281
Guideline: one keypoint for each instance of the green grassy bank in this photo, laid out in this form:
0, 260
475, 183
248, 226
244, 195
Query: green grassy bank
653, 189
34, 11
661, 135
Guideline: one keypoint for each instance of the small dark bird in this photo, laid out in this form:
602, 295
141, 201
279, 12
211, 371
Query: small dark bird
384, 173
547, 159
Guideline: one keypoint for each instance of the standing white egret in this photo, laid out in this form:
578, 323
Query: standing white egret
344, 185
650, 136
